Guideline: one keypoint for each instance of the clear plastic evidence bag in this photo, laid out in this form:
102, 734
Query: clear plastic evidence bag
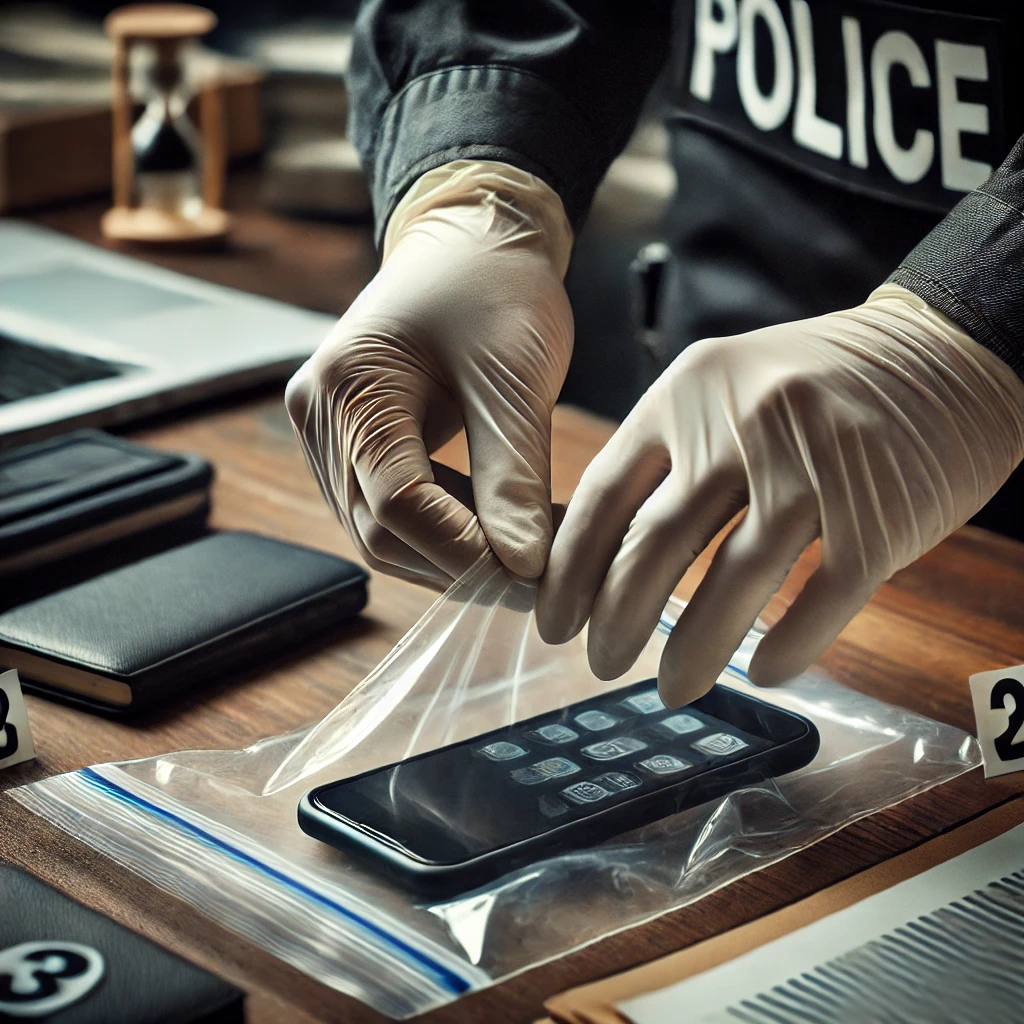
218, 828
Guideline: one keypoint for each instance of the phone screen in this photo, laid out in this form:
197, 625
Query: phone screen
516, 783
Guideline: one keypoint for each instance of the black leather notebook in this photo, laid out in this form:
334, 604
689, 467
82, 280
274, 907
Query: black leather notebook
84, 490
61, 962
137, 636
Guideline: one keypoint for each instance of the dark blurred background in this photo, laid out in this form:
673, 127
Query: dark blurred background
305, 168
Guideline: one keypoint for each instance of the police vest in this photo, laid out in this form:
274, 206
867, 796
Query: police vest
895, 100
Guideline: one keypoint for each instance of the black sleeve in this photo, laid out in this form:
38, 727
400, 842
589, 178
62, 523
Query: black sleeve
552, 86
971, 266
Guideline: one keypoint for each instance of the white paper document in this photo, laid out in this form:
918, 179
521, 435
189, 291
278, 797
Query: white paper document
946, 945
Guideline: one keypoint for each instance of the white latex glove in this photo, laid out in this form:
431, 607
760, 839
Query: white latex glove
466, 324
880, 429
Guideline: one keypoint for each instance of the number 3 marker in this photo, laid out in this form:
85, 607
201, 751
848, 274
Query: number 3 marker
999, 713
38, 979
15, 738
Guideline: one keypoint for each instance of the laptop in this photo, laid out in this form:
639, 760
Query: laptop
92, 338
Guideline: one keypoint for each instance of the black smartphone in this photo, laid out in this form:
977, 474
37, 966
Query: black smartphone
456, 817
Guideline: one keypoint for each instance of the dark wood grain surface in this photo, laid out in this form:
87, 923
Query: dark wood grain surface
957, 611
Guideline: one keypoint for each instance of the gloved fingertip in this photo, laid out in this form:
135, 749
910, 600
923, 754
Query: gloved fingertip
678, 686
557, 622
550, 629
522, 551
767, 671
759, 675
674, 691
298, 394
527, 563
604, 667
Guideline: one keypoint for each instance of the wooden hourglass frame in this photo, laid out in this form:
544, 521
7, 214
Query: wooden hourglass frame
165, 215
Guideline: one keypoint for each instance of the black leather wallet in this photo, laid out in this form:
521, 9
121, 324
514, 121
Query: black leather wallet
61, 962
137, 636
84, 490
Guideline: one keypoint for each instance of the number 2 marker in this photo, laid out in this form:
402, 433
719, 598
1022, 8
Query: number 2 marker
999, 713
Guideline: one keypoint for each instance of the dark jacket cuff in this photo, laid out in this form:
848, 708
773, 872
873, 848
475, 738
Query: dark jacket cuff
971, 266
485, 113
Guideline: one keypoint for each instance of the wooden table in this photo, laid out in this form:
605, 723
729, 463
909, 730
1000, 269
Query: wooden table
957, 611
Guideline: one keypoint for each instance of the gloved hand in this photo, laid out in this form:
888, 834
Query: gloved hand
466, 323
880, 429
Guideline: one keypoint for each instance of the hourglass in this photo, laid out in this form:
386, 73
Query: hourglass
168, 178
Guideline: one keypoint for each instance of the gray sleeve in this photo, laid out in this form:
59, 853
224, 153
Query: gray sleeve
552, 86
971, 265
